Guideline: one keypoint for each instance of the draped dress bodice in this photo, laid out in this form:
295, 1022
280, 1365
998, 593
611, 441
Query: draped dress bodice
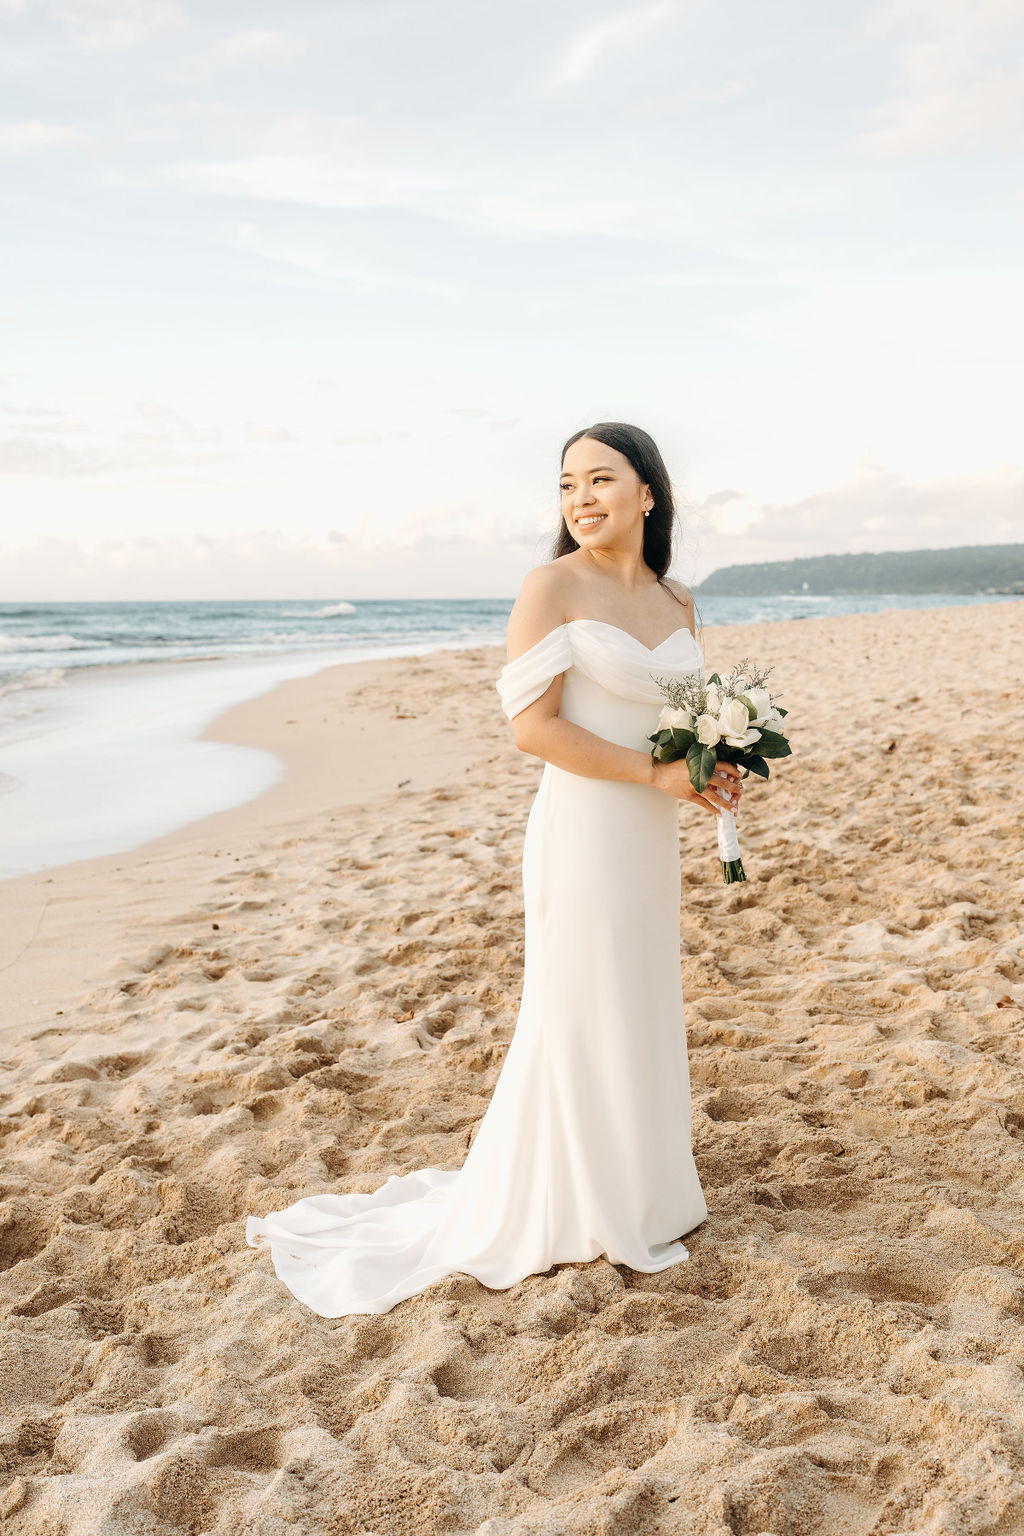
608, 683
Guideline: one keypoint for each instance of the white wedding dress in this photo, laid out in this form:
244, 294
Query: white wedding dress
585, 1148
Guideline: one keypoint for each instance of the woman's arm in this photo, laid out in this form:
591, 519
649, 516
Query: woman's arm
540, 730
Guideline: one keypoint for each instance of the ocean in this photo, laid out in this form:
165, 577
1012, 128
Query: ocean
101, 704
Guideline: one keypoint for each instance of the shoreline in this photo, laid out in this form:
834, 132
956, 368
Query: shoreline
330, 730
330, 740
118, 755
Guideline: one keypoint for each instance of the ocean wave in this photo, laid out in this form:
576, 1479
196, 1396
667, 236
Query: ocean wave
51, 677
48, 643
296, 636
333, 610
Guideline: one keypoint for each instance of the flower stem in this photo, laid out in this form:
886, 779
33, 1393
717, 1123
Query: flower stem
732, 870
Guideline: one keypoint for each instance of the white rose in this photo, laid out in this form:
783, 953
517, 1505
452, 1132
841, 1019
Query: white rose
734, 724
708, 733
714, 698
773, 721
680, 718
762, 702
733, 718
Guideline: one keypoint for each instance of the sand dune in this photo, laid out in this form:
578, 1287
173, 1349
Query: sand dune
317, 991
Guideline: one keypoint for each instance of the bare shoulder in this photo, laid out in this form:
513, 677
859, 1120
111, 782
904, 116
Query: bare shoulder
539, 608
683, 594
678, 588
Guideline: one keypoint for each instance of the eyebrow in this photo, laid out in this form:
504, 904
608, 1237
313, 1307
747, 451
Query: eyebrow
588, 471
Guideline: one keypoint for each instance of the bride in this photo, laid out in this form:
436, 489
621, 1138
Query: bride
585, 1148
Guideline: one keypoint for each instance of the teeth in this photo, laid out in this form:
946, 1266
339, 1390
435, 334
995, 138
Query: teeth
588, 522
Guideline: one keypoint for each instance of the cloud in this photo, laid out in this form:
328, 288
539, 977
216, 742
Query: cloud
586, 50
254, 434
459, 526
730, 511
161, 438
461, 549
720, 498
26, 456
163, 423
319, 182
331, 160
60, 425
559, 214
363, 439
117, 23
904, 318
876, 510
33, 133
321, 268
262, 563
964, 87
41, 418
259, 43
328, 174
315, 133
315, 160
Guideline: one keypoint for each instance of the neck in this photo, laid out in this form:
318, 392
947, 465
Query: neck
622, 565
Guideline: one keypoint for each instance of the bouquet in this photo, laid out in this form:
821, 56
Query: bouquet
730, 719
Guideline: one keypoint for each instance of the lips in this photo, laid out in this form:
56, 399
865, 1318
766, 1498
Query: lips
591, 522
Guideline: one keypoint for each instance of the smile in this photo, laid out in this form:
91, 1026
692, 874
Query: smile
590, 520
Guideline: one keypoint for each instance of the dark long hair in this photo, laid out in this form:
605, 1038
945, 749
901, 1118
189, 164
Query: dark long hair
643, 453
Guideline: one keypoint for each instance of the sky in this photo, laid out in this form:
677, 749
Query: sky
303, 300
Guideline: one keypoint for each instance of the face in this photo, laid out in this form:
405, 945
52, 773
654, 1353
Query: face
603, 500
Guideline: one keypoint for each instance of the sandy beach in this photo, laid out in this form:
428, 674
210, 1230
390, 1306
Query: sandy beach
316, 990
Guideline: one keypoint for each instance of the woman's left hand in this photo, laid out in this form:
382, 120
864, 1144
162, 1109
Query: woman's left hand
724, 787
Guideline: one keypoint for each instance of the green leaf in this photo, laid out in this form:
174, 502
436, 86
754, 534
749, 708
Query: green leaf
773, 745
700, 760
667, 751
714, 678
780, 711
708, 766
682, 739
694, 762
756, 765
751, 708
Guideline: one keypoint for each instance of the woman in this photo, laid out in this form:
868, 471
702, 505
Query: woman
585, 1146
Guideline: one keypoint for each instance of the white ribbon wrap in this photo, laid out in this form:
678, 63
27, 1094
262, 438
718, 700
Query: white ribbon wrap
728, 842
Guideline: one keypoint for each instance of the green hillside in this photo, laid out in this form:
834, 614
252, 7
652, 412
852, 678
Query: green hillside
970, 569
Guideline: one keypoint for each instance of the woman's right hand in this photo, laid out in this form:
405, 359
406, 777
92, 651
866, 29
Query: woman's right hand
722, 793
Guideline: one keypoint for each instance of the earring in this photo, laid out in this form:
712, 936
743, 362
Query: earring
647, 514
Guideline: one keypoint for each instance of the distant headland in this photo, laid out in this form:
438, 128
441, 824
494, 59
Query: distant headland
970, 569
